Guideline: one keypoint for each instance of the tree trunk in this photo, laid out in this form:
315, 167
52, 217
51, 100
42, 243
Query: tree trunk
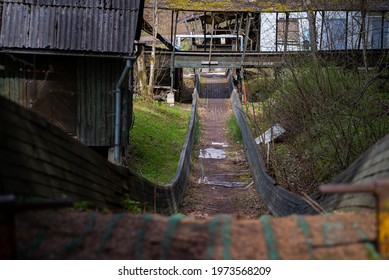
153, 57
141, 74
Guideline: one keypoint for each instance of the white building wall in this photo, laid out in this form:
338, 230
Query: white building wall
336, 30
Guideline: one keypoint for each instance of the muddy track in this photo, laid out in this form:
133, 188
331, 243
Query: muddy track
221, 181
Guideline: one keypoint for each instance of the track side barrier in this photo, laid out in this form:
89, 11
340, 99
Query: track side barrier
74, 235
40, 160
371, 165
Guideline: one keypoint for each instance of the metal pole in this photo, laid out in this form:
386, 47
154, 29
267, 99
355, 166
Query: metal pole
211, 43
322, 30
248, 23
118, 107
118, 112
259, 32
347, 18
382, 29
277, 32
205, 31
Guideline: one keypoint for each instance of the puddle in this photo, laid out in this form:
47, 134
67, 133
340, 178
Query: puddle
212, 153
224, 145
228, 184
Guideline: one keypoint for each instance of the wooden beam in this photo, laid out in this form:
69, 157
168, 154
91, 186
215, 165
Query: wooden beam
267, 6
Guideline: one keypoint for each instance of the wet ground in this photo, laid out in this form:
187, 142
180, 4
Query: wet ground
221, 181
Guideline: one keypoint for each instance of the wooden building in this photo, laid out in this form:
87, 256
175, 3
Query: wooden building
65, 60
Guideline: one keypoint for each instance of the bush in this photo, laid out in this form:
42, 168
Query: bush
233, 129
332, 115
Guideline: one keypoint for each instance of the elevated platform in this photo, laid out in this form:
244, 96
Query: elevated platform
198, 59
263, 6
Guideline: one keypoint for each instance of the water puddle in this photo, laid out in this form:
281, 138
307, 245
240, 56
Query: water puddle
228, 184
224, 145
212, 153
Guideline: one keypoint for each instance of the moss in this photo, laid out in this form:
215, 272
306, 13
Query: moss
254, 6
228, 5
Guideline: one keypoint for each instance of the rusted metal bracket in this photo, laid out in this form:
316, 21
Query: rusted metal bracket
8, 207
380, 189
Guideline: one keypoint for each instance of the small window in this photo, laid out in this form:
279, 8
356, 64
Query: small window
377, 31
293, 31
335, 30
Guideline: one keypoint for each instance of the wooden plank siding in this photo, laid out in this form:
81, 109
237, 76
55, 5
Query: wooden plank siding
67, 25
95, 81
12, 79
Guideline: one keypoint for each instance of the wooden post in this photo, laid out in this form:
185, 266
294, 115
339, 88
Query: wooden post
141, 76
170, 96
150, 91
364, 39
312, 32
205, 31
248, 23
380, 189
286, 31
211, 42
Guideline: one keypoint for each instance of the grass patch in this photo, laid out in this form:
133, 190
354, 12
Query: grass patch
157, 138
132, 206
233, 129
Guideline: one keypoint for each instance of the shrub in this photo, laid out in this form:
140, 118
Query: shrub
332, 115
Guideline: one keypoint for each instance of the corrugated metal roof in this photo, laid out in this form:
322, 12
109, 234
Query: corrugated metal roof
71, 25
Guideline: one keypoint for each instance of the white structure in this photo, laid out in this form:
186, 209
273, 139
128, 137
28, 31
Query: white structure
336, 30
208, 36
271, 134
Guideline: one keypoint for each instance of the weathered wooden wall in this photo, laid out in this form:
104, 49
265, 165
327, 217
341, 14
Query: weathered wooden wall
94, 80
13, 75
71, 25
39, 159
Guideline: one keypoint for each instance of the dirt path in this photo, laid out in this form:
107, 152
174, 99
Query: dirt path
221, 179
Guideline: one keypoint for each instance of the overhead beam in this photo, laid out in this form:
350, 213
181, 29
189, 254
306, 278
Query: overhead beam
256, 60
147, 27
268, 5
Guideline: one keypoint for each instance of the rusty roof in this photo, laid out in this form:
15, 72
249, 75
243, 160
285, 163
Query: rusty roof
71, 25
269, 5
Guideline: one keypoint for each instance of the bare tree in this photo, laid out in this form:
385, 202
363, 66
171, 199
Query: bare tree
153, 56
141, 73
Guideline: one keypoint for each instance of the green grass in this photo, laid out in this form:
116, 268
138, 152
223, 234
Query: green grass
131, 206
233, 129
157, 138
